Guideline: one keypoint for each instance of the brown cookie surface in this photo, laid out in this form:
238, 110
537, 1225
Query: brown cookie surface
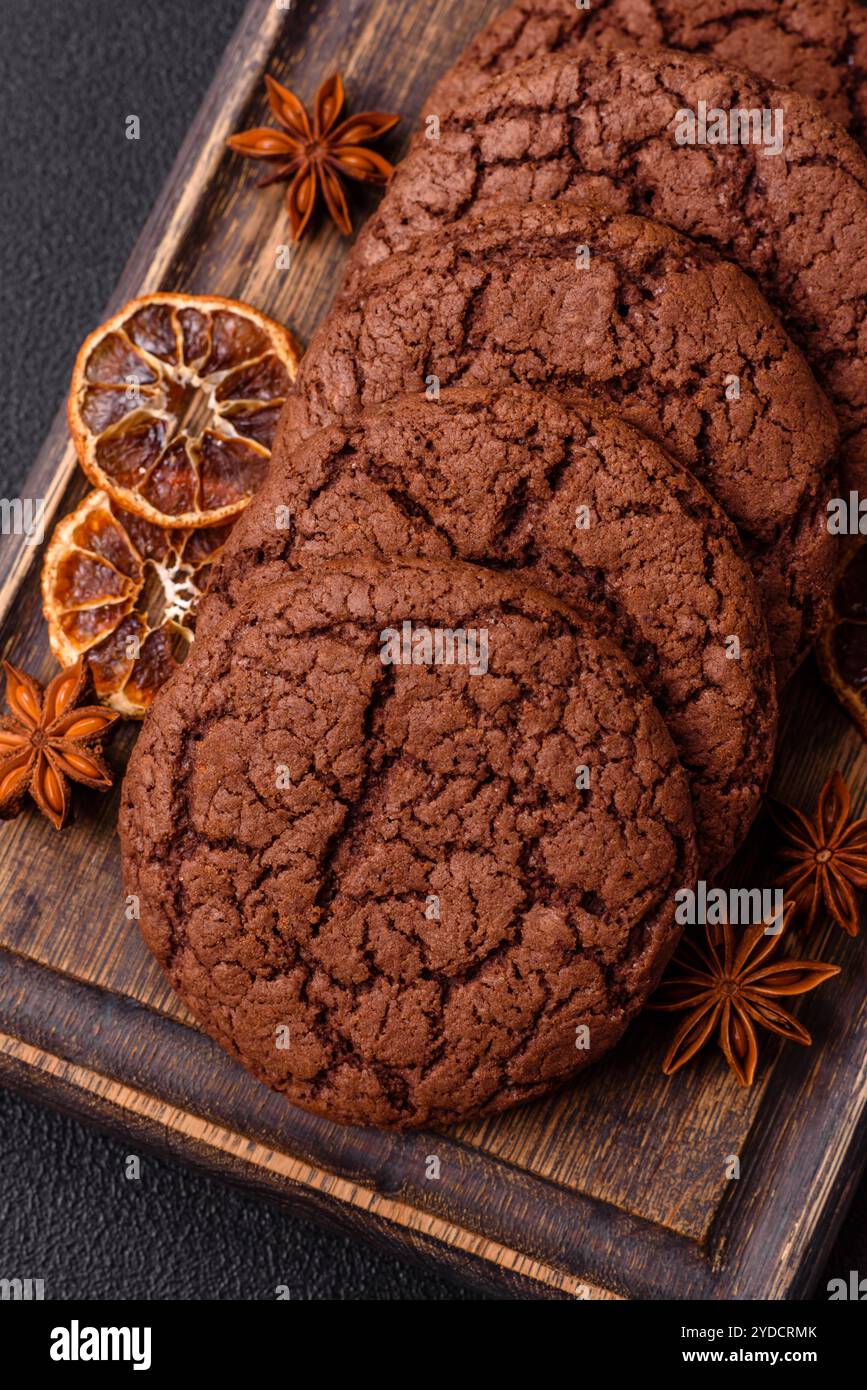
679, 340
818, 47
381, 886
605, 125
584, 506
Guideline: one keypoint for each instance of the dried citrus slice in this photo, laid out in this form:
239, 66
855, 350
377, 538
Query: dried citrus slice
123, 593
174, 403
842, 647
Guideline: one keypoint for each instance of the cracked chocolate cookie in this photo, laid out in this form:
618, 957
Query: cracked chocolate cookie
406, 840
637, 131
584, 506
558, 295
818, 47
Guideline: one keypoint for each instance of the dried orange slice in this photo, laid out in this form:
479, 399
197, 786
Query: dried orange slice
123, 593
842, 647
174, 403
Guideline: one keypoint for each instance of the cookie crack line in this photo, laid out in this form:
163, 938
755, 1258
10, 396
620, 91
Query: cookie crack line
477, 159
447, 1036
828, 62
382, 689
472, 324
421, 455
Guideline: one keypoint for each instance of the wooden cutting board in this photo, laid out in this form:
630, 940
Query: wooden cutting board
619, 1186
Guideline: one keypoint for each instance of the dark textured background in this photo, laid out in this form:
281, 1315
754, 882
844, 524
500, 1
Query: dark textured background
75, 195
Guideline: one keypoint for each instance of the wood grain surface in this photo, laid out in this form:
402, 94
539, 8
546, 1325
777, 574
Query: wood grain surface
617, 1186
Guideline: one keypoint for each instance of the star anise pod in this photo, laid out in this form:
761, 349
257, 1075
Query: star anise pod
313, 154
828, 854
732, 988
49, 738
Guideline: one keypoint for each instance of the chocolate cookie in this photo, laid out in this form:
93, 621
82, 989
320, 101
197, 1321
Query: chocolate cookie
607, 125
679, 340
585, 507
819, 47
406, 839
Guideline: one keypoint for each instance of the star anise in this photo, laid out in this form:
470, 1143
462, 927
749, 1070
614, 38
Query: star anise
50, 738
732, 987
315, 153
828, 854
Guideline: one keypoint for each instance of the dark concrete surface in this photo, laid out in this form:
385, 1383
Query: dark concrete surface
75, 194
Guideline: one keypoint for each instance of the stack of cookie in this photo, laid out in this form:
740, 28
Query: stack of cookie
489, 672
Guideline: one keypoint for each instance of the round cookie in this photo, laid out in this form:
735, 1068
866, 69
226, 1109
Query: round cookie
818, 47
680, 341
606, 125
585, 507
392, 867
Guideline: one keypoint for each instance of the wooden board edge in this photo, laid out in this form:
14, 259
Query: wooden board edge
175, 226
750, 1236
169, 223
186, 187
47, 486
275, 1172
159, 1057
